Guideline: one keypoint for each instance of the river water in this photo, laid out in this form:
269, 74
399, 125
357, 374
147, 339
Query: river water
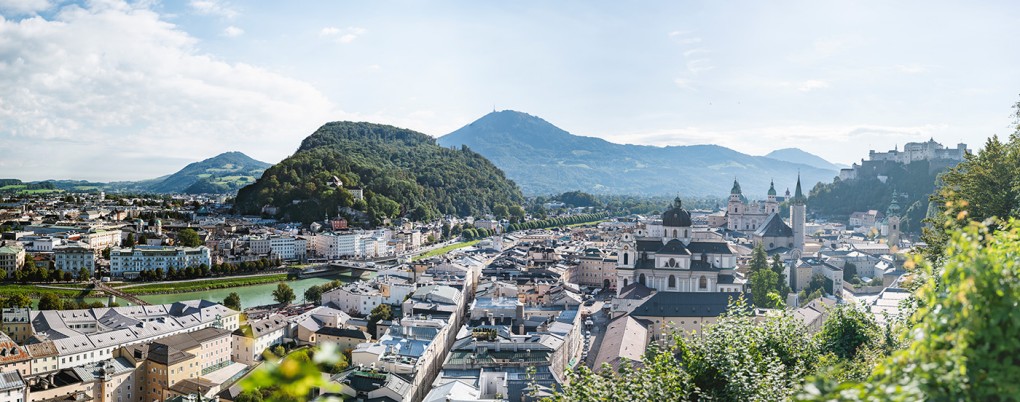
251, 296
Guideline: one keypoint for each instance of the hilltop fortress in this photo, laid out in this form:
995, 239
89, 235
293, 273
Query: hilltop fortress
933, 152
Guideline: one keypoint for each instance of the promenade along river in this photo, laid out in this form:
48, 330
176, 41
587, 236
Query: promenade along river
251, 296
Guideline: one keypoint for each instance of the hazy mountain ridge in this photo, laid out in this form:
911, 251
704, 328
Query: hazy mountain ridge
797, 155
222, 174
545, 159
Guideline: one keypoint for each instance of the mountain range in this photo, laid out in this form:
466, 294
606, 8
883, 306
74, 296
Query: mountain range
545, 159
222, 174
796, 155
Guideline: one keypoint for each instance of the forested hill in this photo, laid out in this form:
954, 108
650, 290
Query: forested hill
914, 183
402, 172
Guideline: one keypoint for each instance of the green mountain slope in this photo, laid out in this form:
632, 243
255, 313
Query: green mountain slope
223, 173
545, 159
402, 172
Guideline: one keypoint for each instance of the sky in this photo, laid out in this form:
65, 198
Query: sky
111, 90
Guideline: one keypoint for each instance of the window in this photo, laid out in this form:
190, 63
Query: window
672, 281
703, 283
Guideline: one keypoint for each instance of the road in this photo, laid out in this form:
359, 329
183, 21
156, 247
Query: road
600, 321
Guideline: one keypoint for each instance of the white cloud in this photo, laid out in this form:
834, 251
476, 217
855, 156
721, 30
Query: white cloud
112, 91
811, 85
698, 66
233, 31
24, 6
213, 7
345, 35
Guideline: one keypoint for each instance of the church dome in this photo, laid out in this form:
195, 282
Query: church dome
676, 215
772, 188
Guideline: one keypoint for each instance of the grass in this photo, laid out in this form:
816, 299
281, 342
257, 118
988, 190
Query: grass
196, 286
446, 249
588, 223
10, 289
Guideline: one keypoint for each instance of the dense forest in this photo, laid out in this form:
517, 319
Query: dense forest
914, 184
402, 173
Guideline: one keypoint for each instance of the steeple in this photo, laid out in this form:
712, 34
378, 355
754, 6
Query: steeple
736, 188
798, 195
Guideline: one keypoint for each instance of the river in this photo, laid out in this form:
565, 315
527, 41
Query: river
251, 296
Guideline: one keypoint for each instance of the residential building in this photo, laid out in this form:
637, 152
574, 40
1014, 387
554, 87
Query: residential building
249, 341
12, 257
73, 258
128, 263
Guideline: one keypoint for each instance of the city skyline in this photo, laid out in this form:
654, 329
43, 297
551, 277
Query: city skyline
108, 90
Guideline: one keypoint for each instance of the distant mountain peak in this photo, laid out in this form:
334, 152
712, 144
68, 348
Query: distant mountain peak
545, 159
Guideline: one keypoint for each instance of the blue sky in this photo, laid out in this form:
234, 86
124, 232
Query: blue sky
109, 90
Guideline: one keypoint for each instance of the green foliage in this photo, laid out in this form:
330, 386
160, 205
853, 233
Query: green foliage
284, 294
578, 199
293, 378
402, 172
738, 358
17, 301
961, 342
558, 221
849, 271
51, 301
233, 301
985, 185
189, 238
313, 294
759, 259
381, 312
847, 330
915, 182
763, 283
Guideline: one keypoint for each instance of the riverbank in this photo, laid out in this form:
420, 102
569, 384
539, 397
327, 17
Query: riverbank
201, 285
37, 291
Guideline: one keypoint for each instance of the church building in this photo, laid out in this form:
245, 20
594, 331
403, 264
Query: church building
665, 256
744, 216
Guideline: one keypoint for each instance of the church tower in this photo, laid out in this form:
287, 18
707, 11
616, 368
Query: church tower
735, 208
892, 215
771, 204
798, 208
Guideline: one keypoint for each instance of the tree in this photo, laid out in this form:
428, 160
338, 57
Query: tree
501, 211
18, 300
517, 213
130, 240
188, 238
84, 274
849, 271
50, 301
759, 259
782, 283
961, 336
763, 283
283, 294
249, 396
381, 312
847, 329
279, 351
314, 294
233, 301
